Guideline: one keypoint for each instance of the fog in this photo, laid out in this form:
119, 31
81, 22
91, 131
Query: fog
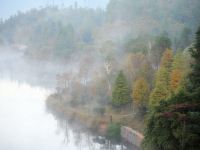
11, 7
72, 73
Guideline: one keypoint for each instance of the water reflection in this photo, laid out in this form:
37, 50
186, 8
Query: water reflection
25, 124
85, 139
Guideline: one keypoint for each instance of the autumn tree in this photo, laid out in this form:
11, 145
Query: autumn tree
174, 124
140, 94
162, 81
121, 91
180, 70
132, 65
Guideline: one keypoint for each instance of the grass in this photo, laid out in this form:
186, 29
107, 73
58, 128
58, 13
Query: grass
91, 120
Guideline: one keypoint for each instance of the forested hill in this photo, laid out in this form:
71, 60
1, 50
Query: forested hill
55, 32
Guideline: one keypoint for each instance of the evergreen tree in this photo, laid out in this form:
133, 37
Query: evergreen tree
179, 73
162, 88
174, 124
195, 74
121, 91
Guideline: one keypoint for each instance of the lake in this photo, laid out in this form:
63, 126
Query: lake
25, 122
26, 125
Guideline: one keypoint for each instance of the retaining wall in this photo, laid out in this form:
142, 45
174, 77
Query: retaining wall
131, 136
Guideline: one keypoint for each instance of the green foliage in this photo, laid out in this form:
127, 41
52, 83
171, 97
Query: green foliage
179, 72
174, 124
65, 41
51, 31
121, 91
195, 74
114, 132
140, 96
162, 85
140, 44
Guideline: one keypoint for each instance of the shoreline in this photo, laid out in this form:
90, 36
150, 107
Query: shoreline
93, 122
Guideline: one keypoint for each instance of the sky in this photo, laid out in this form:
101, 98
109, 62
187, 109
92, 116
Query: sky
11, 7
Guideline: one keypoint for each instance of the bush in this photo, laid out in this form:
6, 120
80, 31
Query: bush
114, 132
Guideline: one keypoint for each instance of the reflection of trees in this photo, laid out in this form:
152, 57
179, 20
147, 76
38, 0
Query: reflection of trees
78, 139
83, 139
89, 142
111, 146
66, 138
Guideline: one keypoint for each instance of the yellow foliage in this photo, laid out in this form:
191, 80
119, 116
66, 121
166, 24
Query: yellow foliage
175, 80
140, 92
162, 85
167, 59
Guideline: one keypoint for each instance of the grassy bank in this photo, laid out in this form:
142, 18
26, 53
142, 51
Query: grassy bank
94, 121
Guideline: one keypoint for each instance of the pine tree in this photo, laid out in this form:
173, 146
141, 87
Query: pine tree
162, 88
179, 72
195, 75
121, 91
174, 124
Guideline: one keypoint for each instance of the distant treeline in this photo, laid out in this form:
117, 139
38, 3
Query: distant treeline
54, 32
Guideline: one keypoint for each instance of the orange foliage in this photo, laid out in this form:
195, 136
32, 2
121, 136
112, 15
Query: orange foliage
175, 79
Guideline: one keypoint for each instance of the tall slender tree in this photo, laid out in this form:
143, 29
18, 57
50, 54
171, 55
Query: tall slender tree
174, 124
121, 91
195, 74
140, 95
162, 89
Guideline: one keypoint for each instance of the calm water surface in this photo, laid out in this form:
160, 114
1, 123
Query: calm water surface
26, 125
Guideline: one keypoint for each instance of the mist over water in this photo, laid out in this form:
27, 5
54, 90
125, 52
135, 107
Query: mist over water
25, 122
75, 73
26, 125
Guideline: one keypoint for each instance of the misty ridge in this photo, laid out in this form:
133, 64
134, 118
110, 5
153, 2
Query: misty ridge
93, 45
124, 59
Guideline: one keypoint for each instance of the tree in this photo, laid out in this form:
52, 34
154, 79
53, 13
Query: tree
121, 91
65, 40
140, 94
140, 44
195, 74
132, 65
178, 73
174, 124
162, 88
175, 80
162, 42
